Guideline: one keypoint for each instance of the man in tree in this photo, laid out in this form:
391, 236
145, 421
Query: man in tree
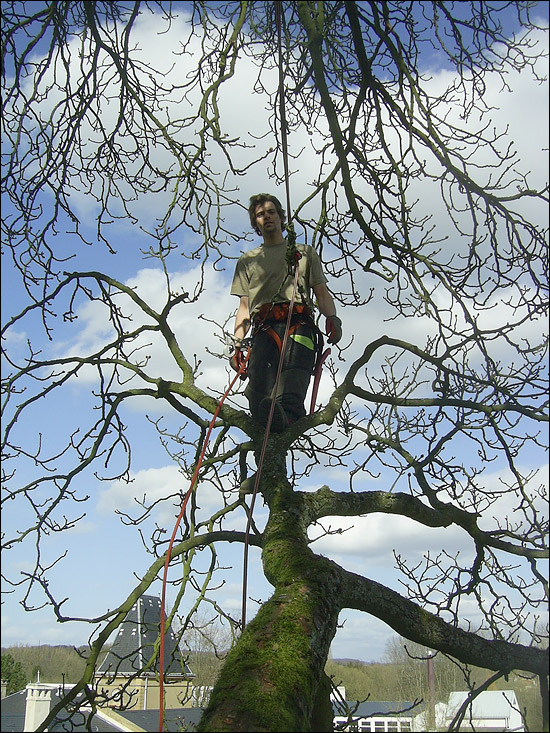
436, 217
264, 282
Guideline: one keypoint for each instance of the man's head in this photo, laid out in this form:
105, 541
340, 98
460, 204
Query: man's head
260, 200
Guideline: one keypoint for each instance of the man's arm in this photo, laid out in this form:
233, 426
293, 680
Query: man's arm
242, 319
326, 305
324, 300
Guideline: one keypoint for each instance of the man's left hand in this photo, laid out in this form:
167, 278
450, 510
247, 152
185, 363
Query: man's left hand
333, 329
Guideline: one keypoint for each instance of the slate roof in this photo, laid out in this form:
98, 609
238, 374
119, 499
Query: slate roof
12, 712
175, 720
134, 644
12, 717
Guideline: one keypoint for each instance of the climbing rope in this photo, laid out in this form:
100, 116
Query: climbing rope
292, 259
170, 545
291, 238
264, 446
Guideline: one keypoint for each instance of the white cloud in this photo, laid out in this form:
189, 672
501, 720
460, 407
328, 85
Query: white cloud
155, 484
375, 537
37, 628
360, 637
197, 326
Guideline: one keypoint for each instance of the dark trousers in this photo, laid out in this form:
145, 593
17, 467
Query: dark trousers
297, 368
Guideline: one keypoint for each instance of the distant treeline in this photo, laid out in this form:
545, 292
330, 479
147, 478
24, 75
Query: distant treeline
53, 663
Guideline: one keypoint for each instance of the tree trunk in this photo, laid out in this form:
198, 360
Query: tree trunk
274, 679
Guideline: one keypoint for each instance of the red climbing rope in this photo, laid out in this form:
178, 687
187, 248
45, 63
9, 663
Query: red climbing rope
317, 378
169, 550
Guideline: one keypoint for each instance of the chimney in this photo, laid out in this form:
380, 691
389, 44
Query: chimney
37, 705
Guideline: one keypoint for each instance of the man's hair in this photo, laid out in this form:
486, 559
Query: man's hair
261, 198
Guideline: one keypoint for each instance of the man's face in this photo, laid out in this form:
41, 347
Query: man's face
268, 220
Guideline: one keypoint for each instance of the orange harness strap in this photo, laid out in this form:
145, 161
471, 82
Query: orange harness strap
275, 336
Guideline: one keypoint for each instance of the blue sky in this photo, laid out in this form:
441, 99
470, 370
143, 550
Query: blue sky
103, 554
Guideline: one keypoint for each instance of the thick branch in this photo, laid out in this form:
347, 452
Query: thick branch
416, 624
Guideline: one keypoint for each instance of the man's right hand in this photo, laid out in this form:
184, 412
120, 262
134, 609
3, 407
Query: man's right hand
237, 361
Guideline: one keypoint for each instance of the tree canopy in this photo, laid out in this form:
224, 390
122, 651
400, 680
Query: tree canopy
133, 134
12, 674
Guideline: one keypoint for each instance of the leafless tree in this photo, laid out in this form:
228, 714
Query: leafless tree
449, 389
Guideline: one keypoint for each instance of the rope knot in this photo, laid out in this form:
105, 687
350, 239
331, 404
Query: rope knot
292, 255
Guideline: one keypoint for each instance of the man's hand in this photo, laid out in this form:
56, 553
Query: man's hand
333, 329
237, 361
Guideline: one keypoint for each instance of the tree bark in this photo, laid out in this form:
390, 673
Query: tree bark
274, 679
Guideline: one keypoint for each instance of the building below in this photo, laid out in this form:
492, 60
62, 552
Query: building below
128, 676
492, 710
489, 712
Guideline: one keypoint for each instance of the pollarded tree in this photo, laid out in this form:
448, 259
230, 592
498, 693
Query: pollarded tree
130, 127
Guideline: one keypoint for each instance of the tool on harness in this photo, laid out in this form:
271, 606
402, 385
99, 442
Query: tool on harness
234, 350
321, 356
238, 362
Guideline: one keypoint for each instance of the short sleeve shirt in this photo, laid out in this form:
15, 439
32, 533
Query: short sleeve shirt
262, 275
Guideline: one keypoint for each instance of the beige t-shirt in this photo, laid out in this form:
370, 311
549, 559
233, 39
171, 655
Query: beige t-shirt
262, 275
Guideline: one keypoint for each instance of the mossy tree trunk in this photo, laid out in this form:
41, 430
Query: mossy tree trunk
274, 678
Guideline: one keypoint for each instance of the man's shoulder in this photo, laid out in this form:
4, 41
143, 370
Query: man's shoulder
251, 253
306, 249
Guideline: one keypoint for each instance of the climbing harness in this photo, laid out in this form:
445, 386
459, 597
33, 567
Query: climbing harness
268, 316
278, 312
